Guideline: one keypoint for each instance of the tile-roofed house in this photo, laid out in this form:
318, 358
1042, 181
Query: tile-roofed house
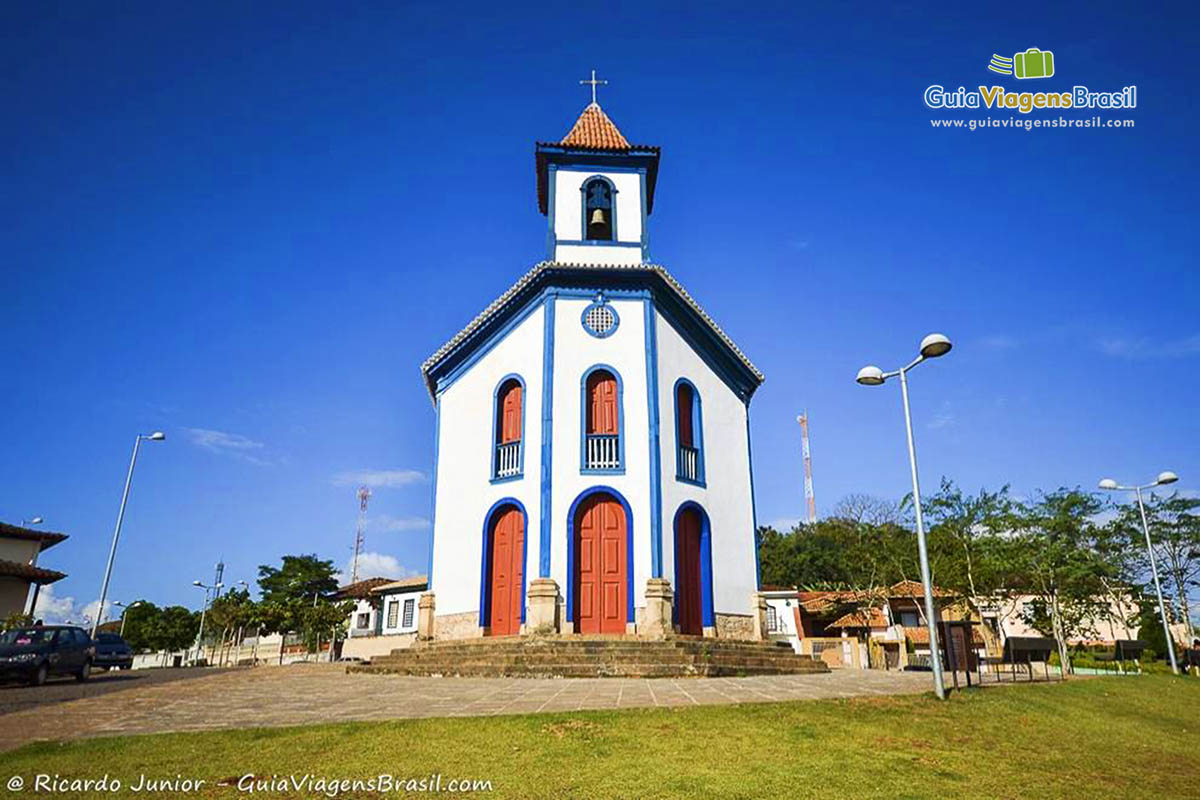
360, 589
384, 617
20, 548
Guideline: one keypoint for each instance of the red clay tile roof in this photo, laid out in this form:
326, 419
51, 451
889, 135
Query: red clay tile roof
913, 589
595, 131
921, 636
361, 589
47, 538
415, 582
860, 619
14, 569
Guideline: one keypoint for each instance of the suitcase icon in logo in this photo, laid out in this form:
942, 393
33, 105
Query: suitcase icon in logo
1034, 63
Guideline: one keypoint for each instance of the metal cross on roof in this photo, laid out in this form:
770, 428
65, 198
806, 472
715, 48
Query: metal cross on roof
594, 83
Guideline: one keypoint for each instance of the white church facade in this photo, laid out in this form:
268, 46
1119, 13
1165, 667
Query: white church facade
592, 466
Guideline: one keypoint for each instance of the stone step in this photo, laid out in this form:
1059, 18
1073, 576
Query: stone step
589, 670
584, 656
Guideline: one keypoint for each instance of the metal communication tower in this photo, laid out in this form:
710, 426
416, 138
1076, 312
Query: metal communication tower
809, 497
364, 494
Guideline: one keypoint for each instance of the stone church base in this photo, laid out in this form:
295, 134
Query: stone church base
593, 656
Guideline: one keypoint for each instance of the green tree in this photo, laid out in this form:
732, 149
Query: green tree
1175, 531
298, 578
142, 623
1061, 563
177, 628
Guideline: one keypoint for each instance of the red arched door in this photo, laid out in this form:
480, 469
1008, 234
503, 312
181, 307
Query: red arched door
688, 603
506, 572
600, 566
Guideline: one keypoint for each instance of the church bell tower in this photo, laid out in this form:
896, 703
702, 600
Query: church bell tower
597, 192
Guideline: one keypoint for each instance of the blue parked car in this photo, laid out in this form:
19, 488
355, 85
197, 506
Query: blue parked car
112, 652
37, 653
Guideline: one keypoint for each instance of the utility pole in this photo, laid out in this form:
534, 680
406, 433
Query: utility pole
809, 497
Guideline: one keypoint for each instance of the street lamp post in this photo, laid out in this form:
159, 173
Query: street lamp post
1108, 484
157, 436
203, 612
932, 346
124, 611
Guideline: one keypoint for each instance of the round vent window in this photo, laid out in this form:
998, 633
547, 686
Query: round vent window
600, 319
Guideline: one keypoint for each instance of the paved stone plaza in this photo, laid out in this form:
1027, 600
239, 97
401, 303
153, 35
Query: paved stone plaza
309, 694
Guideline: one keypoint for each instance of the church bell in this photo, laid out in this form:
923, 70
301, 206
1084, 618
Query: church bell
598, 217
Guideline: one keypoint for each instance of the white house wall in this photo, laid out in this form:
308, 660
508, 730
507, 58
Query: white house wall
726, 497
464, 491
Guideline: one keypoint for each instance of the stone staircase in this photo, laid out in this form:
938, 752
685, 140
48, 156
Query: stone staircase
593, 656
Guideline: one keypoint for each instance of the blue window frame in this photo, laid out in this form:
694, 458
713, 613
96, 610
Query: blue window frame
601, 453
598, 198
508, 458
689, 433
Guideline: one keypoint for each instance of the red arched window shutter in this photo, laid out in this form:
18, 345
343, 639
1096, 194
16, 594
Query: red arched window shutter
602, 404
510, 413
683, 411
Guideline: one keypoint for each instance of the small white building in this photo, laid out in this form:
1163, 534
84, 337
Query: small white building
384, 617
592, 452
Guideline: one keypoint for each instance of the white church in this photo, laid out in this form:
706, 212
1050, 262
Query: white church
592, 464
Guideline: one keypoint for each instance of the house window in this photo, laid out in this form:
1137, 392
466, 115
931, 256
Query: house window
598, 220
409, 605
910, 619
772, 620
364, 621
689, 438
602, 423
393, 612
509, 424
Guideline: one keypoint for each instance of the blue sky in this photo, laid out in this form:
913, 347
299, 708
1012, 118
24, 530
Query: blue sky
247, 225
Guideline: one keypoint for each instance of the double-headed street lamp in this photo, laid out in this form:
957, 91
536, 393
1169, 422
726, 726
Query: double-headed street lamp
216, 587
124, 611
932, 346
157, 436
1108, 484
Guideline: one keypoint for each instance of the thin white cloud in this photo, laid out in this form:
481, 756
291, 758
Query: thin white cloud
1147, 347
784, 524
375, 565
380, 478
386, 523
997, 341
944, 418
228, 444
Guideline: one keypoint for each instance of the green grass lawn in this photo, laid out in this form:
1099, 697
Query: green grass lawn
1105, 737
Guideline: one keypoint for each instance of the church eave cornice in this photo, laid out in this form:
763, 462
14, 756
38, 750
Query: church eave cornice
542, 278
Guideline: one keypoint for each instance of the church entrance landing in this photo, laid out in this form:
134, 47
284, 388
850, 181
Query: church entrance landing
577, 656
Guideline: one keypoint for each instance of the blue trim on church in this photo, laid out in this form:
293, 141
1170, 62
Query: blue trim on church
547, 472
651, 335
